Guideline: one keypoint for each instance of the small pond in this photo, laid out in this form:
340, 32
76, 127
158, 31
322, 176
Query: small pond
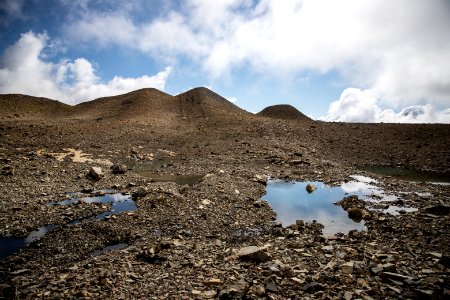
292, 202
120, 203
409, 174
148, 168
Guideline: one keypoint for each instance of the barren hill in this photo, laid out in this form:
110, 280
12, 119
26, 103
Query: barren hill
142, 104
283, 111
204, 103
19, 106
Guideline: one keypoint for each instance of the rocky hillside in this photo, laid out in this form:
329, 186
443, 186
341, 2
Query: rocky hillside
283, 111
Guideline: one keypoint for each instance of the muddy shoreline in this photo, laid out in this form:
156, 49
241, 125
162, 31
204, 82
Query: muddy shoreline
187, 241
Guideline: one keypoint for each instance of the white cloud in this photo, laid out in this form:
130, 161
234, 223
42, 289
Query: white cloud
356, 105
399, 50
22, 70
232, 99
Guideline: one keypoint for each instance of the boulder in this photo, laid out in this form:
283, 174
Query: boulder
96, 173
253, 253
119, 169
310, 188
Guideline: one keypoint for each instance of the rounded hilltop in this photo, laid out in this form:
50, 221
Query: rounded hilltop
283, 111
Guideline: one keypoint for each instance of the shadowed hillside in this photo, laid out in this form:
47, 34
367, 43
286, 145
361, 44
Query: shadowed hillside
283, 111
144, 104
16, 106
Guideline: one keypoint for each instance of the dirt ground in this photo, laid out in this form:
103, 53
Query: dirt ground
215, 238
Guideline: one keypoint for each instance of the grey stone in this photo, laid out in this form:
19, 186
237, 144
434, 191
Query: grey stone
119, 169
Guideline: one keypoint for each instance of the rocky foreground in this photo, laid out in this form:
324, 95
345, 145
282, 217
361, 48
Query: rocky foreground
216, 238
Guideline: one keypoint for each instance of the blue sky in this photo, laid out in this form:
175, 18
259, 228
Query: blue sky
348, 60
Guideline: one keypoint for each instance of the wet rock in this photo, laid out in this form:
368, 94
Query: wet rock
355, 213
310, 188
96, 173
253, 253
119, 169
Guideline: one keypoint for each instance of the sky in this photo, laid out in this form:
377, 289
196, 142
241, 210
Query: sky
347, 60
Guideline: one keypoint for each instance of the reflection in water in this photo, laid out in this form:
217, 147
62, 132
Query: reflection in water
10, 245
292, 202
409, 174
120, 203
396, 210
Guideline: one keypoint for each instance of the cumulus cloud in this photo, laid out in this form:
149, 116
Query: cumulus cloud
23, 70
397, 50
232, 99
356, 105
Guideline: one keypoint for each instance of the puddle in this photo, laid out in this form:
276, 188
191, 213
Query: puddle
10, 244
367, 189
120, 203
110, 248
396, 210
409, 174
148, 169
292, 202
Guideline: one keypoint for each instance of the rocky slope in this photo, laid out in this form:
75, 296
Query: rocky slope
215, 238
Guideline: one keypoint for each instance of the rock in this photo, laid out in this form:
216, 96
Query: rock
297, 280
208, 294
253, 253
351, 202
427, 294
389, 267
260, 179
259, 203
96, 173
259, 290
212, 282
347, 268
445, 260
119, 169
300, 223
232, 292
348, 295
206, 202
396, 276
440, 210
312, 287
355, 213
8, 170
272, 287
310, 188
